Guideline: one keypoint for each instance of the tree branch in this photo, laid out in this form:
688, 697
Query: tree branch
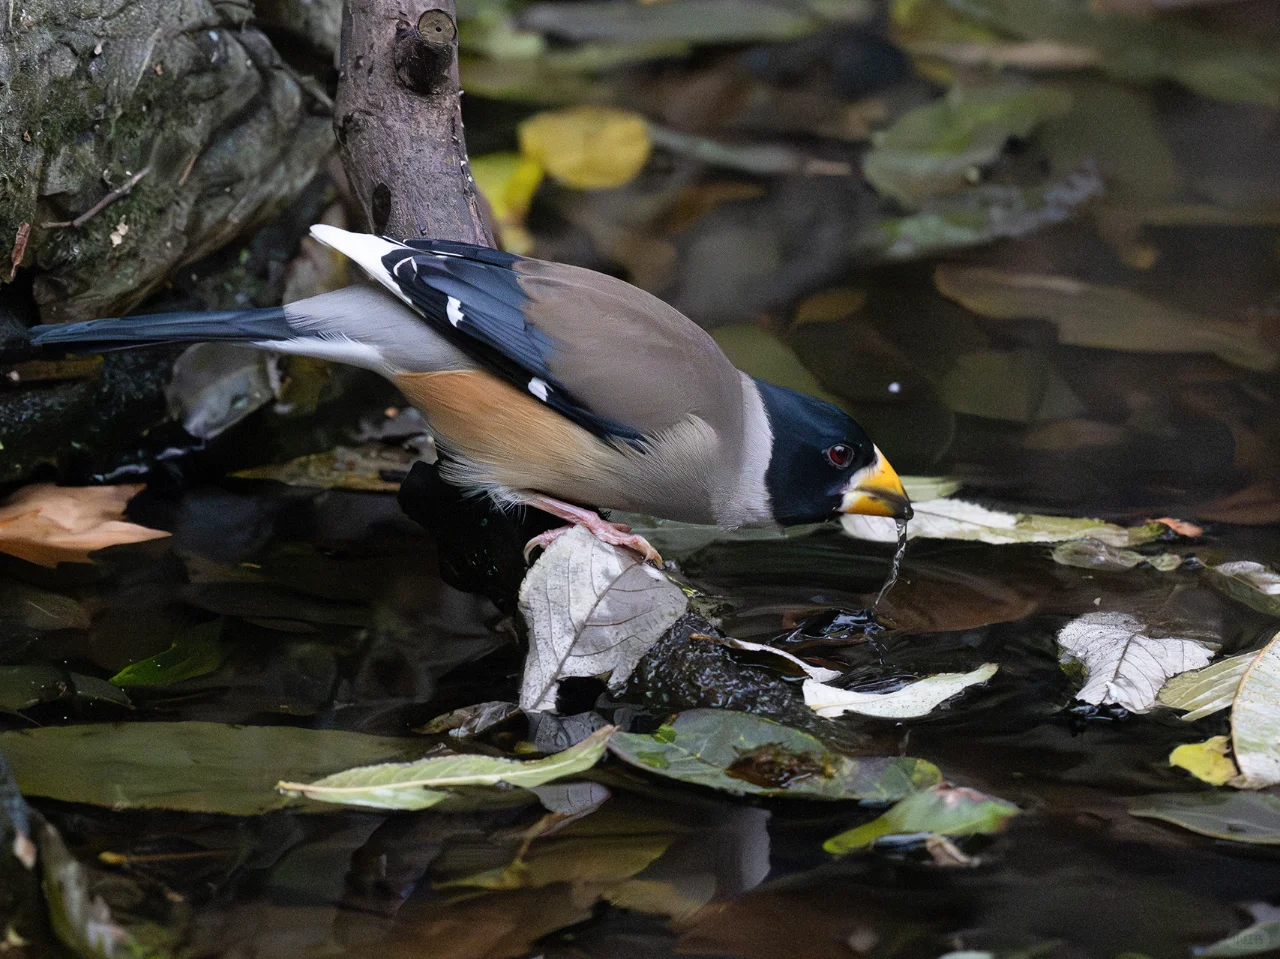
399, 121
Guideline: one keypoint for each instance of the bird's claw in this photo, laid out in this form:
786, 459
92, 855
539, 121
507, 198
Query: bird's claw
615, 534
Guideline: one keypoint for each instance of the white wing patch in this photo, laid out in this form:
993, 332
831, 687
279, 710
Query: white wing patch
366, 249
454, 310
538, 387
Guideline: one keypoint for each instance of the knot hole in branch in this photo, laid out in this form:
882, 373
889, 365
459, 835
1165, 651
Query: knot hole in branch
423, 55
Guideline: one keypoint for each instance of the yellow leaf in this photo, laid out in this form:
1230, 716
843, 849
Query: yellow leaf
508, 181
1207, 761
587, 147
48, 524
838, 303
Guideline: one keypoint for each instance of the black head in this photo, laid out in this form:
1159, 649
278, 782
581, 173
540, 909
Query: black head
824, 463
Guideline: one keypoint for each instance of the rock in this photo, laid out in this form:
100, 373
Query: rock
97, 92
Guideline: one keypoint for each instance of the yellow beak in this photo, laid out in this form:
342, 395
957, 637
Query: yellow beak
875, 490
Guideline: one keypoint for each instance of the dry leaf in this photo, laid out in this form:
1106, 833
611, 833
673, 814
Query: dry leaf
49, 524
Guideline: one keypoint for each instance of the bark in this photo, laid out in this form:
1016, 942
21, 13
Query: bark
398, 120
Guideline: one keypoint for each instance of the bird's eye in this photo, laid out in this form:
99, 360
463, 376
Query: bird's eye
840, 455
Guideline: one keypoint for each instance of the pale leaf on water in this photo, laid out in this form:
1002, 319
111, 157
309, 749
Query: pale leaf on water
1122, 664
592, 610
1203, 692
49, 524
958, 519
1253, 584
422, 784
910, 702
1255, 720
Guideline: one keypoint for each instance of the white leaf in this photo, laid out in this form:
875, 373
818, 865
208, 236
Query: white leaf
1206, 691
592, 610
1255, 720
910, 702
216, 385
1251, 583
958, 519
819, 673
1122, 664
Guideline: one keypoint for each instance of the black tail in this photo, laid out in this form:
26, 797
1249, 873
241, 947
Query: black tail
190, 327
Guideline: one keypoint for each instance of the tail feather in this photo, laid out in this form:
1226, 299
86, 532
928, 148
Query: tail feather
187, 327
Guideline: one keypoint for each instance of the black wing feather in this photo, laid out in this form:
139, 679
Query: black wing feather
492, 328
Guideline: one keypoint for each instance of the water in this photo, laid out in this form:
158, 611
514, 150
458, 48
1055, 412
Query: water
895, 566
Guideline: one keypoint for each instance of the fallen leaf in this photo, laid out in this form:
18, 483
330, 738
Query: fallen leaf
186, 766
216, 385
1209, 761
958, 519
1255, 720
1259, 938
1203, 692
81, 920
1097, 555
1253, 584
910, 702
592, 610
1122, 664
471, 721
745, 754
587, 147
509, 181
818, 673
937, 149
370, 467
1247, 817
32, 684
1103, 317
198, 652
39, 609
425, 783
942, 810
48, 524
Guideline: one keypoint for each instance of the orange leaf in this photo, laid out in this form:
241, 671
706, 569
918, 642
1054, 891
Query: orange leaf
48, 524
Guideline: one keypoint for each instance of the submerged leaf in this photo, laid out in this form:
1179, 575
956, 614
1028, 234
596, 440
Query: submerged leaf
1255, 720
196, 653
22, 687
216, 385
1259, 938
943, 810
957, 519
1103, 317
742, 753
63, 524
1203, 692
1096, 555
370, 467
936, 149
910, 702
1247, 817
587, 147
1253, 584
1209, 761
424, 783
81, 920
185, 766
592, 610
1122, 664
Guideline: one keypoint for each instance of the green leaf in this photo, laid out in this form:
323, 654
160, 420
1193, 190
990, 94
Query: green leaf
189, 767
22, 687
422, 784
910, 702
942, 810
1206, 691
1238, 816
1258, 938
742, 753
935, 149
1253, 584
200, 651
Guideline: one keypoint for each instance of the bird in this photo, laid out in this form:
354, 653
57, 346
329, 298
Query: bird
557, 387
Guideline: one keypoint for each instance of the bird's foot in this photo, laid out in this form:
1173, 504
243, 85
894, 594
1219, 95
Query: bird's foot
615, 534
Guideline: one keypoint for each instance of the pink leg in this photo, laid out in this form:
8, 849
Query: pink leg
615, 534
